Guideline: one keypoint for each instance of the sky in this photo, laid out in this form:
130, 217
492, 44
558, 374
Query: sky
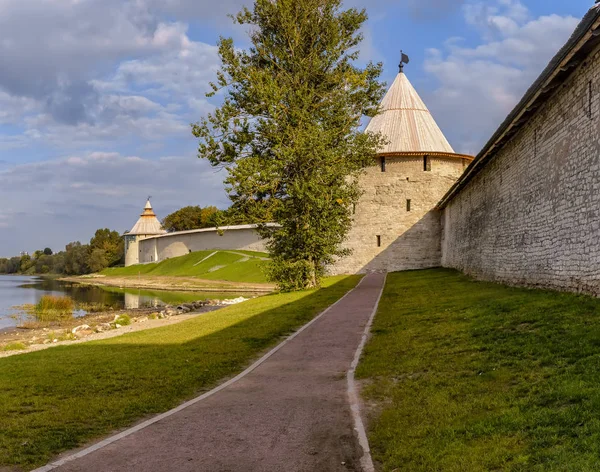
97, 96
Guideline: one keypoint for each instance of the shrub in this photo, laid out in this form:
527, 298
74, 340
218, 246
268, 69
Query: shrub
123, 320
14, 346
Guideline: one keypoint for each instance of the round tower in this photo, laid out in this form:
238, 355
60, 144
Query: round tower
395, 224
147, 225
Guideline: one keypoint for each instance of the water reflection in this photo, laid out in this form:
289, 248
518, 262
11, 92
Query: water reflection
132, 301
137, 300
20, 290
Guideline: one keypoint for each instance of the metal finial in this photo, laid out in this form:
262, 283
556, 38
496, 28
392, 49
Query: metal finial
403, 60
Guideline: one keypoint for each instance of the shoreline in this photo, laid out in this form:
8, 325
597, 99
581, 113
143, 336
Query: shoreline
173, 284
54, 334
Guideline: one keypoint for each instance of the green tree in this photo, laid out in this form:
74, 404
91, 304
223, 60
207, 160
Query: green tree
26, 264
111, 243
48, 251
192, 217
184, 219
288, 131
97, 260
76, 259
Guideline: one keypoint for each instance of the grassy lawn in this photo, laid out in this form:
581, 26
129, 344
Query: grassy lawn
60, 398
233, 266
469, 376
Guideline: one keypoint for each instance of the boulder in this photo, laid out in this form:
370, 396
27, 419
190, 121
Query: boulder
103, 327
82, 327
233, 301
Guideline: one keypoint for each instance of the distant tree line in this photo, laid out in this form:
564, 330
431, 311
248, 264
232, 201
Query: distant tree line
104, 250
196, 217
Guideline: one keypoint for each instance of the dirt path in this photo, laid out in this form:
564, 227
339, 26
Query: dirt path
291, 413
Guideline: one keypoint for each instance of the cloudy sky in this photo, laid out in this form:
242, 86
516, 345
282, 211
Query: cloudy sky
96, 96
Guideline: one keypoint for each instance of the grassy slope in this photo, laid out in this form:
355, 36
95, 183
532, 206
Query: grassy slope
60, 398
475, 376
233, 265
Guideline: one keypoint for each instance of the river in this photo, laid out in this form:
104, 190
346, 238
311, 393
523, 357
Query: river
18, 290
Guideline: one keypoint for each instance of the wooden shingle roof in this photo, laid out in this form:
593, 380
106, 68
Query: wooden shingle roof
407, 123
148, 223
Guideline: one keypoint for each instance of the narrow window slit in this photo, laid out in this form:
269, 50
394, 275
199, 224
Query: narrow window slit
426, 164
378, 240
383, 164
408, 202
590, 99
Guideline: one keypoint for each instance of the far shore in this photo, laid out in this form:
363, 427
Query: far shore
180, 284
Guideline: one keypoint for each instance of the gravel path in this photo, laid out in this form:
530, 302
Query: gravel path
291, 413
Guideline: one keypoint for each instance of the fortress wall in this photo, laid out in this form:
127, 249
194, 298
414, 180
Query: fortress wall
532, 215
180, 244
409, 239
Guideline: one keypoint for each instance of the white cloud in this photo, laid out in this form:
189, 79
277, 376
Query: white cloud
66, 68
98, 72
73, 196
502, 17
478, 86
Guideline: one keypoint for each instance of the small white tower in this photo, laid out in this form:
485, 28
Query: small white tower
147, 225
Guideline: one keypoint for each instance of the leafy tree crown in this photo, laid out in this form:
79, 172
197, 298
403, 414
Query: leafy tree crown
288, 131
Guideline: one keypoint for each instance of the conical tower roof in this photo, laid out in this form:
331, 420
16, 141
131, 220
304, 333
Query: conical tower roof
148, 223
407, 123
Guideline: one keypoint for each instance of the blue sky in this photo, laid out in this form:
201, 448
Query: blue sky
96, 96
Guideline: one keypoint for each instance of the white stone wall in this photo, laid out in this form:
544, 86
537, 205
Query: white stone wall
180, 244
532, 215
409, 239
132, 250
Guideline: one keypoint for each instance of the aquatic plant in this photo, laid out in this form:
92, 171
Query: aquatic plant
52, 308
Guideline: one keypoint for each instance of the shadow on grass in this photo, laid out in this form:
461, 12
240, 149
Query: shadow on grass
60, 398
478, 376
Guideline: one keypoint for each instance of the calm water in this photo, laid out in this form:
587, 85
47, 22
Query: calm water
22, 290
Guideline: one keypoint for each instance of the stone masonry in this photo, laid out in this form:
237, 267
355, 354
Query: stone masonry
410, 239
531, 216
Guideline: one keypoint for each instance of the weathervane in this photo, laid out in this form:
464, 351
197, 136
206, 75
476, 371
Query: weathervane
403, 60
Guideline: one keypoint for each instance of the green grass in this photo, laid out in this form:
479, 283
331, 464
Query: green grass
62, 397
233, 266
470, 376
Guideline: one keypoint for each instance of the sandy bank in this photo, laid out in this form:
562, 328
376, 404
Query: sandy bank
182, 284
44, 337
